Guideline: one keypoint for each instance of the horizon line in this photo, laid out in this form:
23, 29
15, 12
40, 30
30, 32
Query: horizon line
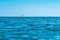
29, 16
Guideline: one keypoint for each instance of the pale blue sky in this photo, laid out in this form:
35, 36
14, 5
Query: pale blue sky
30, 7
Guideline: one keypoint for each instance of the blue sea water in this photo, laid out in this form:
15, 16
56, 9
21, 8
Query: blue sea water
30, 28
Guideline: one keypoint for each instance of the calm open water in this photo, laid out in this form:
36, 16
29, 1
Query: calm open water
30, 28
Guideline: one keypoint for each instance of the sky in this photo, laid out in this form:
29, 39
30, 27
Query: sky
30, 7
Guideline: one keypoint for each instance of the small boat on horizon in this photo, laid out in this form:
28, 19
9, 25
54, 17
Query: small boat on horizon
21, 16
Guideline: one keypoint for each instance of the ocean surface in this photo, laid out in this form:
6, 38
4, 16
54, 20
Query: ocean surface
30, 28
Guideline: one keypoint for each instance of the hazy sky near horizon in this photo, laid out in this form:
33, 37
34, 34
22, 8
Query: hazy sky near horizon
30, 7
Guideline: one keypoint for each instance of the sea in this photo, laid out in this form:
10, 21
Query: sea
30, 28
